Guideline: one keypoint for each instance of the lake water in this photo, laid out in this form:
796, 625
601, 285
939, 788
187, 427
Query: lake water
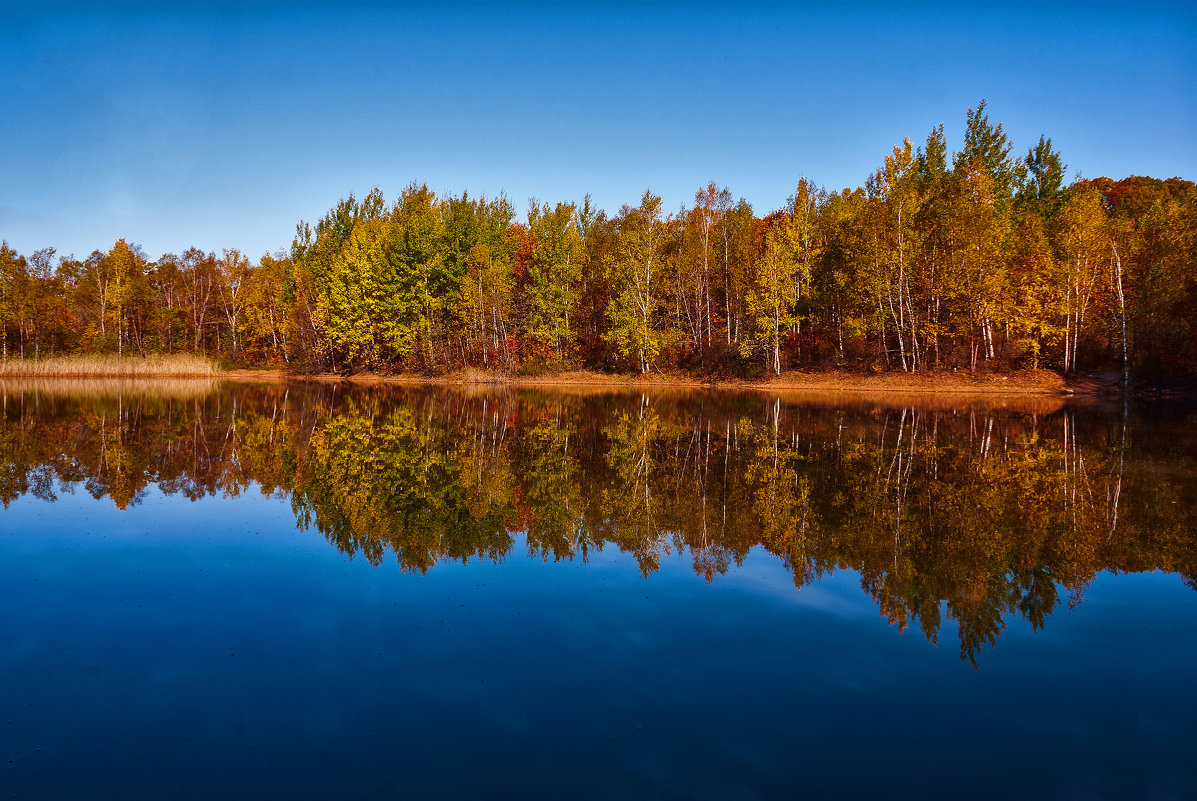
314, 592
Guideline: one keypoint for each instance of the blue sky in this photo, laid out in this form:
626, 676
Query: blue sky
223, 125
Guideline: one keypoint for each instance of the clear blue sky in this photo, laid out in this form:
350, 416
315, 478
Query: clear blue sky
221, 125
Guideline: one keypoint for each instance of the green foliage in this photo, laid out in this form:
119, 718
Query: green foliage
553, 275
633, 272
423, 271
987, 150
772, 299
480, 251
1044, 185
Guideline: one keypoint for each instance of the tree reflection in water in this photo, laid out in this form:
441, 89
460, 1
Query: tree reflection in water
971, 513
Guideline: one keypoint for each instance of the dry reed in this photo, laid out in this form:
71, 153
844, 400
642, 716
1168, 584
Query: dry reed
105, 366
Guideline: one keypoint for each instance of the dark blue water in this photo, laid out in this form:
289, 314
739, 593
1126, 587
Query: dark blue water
212, 649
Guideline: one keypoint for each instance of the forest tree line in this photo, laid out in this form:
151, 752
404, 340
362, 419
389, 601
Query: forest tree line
979, 259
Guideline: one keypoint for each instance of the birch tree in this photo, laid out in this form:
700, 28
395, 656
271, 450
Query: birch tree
633, 270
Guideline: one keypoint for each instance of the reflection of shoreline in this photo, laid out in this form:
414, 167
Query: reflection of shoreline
165, 387
1039, 392
866, 395
1038, 383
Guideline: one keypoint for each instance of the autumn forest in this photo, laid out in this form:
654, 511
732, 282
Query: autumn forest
981, 259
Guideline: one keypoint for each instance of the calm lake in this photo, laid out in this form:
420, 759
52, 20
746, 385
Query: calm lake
298, 591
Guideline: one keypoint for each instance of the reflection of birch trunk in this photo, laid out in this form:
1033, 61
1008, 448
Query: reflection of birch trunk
776, 413
1067, 473
900, 468
706, 462
1078, 489
642, 460
1117, 494
935, 447
726, 456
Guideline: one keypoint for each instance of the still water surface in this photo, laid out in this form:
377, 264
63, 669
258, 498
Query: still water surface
311, 592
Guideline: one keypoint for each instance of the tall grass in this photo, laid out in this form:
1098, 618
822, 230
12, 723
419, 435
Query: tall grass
109, 365
472, 375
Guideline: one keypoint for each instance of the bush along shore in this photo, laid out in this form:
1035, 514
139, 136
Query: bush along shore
976, 261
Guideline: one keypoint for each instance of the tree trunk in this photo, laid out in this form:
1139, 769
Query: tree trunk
1122, 311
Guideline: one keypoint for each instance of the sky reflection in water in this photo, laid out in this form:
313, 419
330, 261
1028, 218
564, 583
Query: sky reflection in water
181, 648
